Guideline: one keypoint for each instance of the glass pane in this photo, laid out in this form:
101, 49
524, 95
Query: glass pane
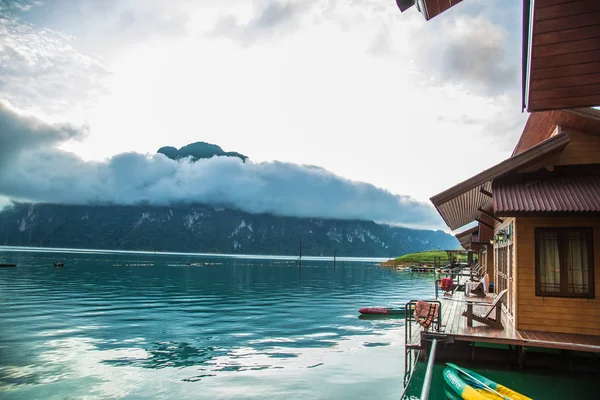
549, 262
577, 262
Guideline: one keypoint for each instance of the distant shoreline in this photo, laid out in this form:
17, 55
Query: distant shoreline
16, 249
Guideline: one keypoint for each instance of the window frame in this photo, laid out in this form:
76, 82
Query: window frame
562, 243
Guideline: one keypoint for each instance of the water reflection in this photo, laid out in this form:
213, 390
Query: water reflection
170, 354
117, 326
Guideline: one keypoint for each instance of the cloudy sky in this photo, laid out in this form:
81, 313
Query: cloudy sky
346, 108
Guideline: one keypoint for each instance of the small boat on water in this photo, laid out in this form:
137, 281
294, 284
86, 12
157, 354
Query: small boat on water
382, 311
59, 264
472, 386
4, 265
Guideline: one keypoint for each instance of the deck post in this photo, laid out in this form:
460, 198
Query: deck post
521, 355
429, 372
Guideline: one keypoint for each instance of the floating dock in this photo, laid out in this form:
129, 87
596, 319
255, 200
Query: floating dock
454, 328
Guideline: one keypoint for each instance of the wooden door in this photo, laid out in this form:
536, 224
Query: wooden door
505, 280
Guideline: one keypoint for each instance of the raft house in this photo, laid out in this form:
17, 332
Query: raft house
534, 218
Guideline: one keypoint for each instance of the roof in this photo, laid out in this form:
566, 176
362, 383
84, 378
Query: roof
541, 125
566, 190
467, 232
469, 200
429, 8
467, 237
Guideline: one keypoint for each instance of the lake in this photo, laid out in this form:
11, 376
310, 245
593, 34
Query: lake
128, 325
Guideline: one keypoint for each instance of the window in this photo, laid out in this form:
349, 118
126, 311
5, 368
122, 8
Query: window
564, 262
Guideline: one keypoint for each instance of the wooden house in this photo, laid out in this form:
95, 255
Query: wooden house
542, 208
477, 240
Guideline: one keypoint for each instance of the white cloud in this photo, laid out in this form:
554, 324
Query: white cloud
40, 70
474, 53
40, 173
351, 86
268, 20
19, 133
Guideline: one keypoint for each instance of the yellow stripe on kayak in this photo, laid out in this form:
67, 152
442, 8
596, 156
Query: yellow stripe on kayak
470, 393
511, 394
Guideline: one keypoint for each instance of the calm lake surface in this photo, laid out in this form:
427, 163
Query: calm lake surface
151, 326
141, 326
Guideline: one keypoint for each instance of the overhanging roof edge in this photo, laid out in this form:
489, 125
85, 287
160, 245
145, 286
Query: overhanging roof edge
467, 231
534, 153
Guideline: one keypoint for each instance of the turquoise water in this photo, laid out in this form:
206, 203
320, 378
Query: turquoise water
149, 326
543, 385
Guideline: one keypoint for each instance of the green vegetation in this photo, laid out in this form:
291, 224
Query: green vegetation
425, 257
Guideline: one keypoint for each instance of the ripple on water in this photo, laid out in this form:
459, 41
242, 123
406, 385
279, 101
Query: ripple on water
251, 326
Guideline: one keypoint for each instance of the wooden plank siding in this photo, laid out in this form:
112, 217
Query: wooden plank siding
565, 55
582, 149
549, 11
553, 314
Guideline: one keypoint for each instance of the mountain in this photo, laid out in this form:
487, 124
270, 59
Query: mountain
197, 151
202, 228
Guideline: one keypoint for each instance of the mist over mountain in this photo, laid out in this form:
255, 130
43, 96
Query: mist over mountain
204, 228
33, 169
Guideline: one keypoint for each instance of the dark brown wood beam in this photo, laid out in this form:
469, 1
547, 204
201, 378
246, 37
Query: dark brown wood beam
489, 214
485, 192
484, 223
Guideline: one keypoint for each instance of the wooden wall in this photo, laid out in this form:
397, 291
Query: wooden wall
565, 59
582, 149
541, 125
553, 314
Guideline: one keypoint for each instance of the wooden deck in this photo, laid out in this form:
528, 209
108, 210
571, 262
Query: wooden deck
454, 326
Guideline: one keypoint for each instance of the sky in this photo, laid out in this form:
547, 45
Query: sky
345, 108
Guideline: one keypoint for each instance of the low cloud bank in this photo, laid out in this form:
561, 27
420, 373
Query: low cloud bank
39, 172
20, 132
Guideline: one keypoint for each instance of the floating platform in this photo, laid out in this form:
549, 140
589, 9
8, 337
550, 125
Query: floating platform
454, 328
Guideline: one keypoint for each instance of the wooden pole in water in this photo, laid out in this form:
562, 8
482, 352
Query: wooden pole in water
334, 253
299, 261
